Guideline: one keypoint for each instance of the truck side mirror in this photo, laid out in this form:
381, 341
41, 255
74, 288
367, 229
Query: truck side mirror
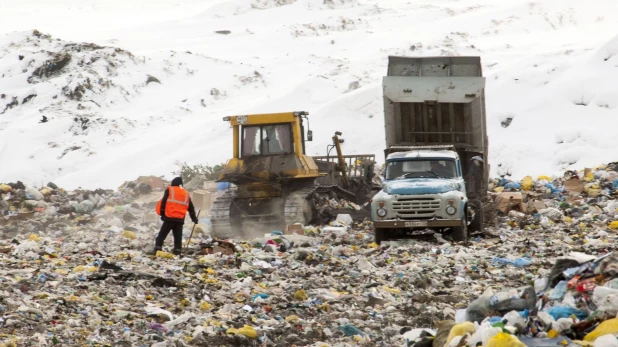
309, 135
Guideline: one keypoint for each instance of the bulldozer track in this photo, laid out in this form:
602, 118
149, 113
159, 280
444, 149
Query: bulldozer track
298, 208
220, 212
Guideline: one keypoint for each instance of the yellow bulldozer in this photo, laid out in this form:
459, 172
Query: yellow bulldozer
274, 183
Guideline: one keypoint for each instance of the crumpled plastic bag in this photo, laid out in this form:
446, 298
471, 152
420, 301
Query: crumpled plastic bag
483, 333
247, 330
526, 183
606, 299
606, 341
504, 340
460, 330
25, 247
608, 327
128, 235
163, 254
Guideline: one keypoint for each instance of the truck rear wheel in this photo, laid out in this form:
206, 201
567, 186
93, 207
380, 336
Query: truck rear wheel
379, 235
476, 225
460, 233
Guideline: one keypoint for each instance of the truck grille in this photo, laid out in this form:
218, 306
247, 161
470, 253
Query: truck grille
416, 207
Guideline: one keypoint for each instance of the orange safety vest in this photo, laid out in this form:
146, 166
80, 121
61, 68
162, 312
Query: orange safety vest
177, 203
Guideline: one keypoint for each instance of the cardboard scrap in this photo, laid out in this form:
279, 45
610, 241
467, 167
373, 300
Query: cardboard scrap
294, 229
202, 200
510, 201
223, 247
574, 186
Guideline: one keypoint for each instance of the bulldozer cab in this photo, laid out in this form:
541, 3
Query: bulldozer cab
268, 134
268, 148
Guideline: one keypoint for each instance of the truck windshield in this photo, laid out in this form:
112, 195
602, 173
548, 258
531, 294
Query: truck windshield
266, 139
421, 169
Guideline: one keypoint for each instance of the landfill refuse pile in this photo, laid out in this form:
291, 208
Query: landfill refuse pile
542, 274
563, 236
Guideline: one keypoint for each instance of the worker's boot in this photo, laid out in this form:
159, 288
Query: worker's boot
177, 251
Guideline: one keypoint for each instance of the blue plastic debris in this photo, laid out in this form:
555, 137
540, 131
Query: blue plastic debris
260, 295
512, 185
519, 262
565, 312
350, 330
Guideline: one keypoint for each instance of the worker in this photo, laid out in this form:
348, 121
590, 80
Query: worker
172, 209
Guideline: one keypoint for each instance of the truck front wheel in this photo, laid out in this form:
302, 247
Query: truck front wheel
460, 233
379, 235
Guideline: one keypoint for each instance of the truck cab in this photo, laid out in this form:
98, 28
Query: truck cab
424, 188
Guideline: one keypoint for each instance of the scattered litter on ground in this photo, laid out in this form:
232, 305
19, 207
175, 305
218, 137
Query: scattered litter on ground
543, 274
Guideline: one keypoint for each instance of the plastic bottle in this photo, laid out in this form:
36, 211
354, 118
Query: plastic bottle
559, 290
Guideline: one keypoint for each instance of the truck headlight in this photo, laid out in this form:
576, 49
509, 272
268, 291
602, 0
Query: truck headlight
381, 212
451, 210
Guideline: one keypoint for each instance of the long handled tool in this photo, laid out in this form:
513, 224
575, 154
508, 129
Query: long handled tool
193, 229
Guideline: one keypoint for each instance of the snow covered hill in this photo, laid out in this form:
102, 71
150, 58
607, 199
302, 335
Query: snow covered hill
131, 87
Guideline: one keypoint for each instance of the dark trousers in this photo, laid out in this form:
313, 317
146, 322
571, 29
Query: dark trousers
176, 228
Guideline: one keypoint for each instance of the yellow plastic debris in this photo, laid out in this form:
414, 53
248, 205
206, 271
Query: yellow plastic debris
610, 326
292, 319
498, 189
543, 178
45, 192
92, 269
300, 295
373, 245
552, 334
589, 177
34, 237
149, 297
79, 268
248, 331
526, 183
324, 307
184, 302
163, 254
210, 271
5, 188
391, 290
205, 306
504, 340
61, 271
128, 234
614, 225
460, 330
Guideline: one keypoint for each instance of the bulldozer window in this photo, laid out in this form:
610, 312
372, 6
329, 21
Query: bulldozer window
266, 140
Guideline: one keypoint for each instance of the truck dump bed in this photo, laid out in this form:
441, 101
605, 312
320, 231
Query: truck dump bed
435, 101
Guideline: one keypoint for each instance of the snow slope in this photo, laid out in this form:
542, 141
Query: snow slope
551, 66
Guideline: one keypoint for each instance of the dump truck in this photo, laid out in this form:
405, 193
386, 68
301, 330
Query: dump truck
275, 183
436, 172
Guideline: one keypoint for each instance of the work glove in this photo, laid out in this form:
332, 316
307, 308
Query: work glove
194, 220
163, 218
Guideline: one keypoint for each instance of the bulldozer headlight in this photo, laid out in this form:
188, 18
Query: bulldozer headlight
451, 210
381, 212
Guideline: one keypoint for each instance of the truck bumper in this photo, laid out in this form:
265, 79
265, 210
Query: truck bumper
431, 223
